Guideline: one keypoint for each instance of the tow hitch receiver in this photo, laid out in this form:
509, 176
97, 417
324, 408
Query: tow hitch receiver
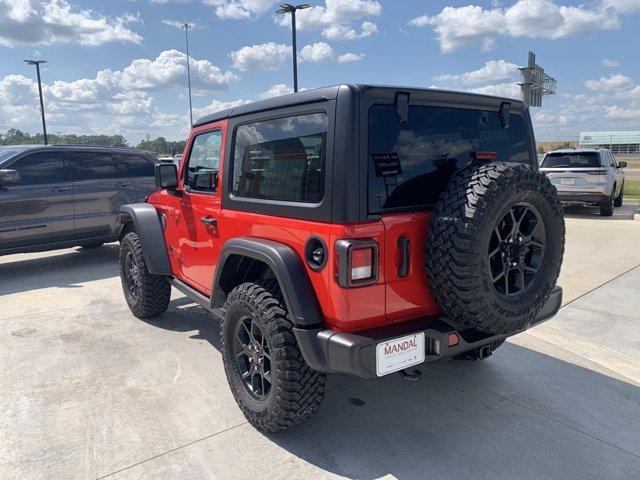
411, 376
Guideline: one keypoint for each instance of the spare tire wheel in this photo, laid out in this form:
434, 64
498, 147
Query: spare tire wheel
495, 246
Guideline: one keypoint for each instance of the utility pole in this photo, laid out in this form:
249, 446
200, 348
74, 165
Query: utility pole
37, 64
186, 27
288, 8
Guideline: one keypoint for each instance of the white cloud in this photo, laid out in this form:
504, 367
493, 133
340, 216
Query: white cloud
609, 63
344, 32
217, 106
494, 71
623, 6
113, 101
47, 22
266, 56
622, 113
276, 91
178, 24
317, 53
616, 81
495, 77
322, 52
337, 19
525, 18
239, 9
169, 69
350, 57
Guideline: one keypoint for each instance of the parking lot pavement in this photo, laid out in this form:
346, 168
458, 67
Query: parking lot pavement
88, 391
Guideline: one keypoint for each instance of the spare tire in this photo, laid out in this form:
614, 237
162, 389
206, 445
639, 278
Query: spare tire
495, 246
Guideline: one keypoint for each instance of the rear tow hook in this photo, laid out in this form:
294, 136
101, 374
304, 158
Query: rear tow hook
412, 376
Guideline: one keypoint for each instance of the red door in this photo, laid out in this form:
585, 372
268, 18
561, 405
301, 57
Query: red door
199, 208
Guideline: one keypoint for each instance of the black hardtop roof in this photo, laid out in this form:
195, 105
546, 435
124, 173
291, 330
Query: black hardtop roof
320, 94
64, 146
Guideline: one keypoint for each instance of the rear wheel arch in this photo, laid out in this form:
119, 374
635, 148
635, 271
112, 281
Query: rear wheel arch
245, 259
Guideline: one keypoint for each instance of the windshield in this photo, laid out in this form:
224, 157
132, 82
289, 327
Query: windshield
411, 163
571, 160
6, 155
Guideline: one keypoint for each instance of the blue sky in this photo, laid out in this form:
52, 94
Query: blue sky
118, 67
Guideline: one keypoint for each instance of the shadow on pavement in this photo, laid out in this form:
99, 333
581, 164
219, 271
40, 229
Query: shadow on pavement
518, 414
64, 270
625, 212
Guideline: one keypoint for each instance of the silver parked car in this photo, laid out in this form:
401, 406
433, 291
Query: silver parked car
586, 176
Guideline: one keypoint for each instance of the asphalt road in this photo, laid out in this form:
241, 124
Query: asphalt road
89, 391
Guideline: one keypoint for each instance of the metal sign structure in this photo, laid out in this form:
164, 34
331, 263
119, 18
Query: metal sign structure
535, 83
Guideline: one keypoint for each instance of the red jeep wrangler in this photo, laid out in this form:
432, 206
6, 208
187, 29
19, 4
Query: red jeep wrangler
350, 229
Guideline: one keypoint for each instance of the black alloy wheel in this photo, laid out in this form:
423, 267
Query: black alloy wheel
516, 249
132, 276
253, 359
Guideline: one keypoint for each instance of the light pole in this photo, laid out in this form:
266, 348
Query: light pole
37, 64
288, 8
186, 27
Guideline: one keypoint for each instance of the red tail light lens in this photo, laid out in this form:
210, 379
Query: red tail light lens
361, 263
357, 262
485, 155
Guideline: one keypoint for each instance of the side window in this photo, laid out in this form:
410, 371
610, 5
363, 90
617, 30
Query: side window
281, 159
41, 168
203, 162
134, 166
93, 165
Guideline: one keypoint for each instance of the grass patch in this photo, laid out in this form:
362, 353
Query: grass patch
632, 188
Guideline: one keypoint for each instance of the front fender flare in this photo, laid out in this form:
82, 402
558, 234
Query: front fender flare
287, 267
149, 229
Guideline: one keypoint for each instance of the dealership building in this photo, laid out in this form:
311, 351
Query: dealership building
622, 143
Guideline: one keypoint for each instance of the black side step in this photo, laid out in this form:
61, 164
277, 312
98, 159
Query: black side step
193, 294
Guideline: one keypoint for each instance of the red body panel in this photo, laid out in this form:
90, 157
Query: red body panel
194, 251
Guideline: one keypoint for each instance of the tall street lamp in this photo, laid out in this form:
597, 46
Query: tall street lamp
288, 8
37, 64
186, 27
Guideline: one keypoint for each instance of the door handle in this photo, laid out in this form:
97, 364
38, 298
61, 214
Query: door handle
404, 247
209, 222
122, 185
58, 189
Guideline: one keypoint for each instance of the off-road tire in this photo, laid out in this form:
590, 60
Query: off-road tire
620, 198
296, 391
606, 207
154, 292
460, 230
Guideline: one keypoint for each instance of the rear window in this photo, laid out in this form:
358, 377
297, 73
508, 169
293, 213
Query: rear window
571, 160
411, 163
281, 159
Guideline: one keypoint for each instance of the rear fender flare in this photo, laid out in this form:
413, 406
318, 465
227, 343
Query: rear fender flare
288, 270
148, 226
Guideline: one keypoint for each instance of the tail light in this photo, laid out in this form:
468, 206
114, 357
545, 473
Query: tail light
484, 155
357, 262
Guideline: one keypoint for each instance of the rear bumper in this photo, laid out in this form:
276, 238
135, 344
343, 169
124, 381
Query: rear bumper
328, 351
582, 197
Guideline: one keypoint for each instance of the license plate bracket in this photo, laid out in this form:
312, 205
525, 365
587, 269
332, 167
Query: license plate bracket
400, 353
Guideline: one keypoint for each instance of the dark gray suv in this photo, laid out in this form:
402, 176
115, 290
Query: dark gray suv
61, 196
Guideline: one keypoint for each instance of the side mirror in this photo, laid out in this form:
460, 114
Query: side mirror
622, 164
166, 176
9, 177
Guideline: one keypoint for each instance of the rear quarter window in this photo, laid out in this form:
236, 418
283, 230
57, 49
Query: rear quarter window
281, 159
423, 153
